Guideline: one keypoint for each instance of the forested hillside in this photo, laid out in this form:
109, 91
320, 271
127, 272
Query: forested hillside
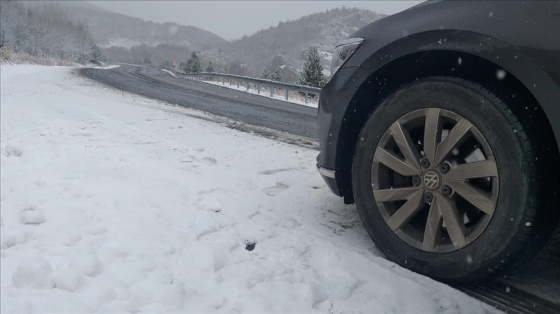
44, 31
129, 39
284, 47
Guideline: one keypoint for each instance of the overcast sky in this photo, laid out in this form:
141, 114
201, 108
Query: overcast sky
233, 19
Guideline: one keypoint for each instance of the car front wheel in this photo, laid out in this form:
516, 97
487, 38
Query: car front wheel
446, 181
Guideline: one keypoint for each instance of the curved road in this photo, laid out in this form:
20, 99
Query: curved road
251, 109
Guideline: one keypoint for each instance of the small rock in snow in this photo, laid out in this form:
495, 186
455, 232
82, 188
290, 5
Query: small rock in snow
33, 273
250, 246
31, 216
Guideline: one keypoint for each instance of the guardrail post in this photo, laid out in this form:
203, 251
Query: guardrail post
248, 85
237, 84
259, 88
271, 90
287, 93
306, 97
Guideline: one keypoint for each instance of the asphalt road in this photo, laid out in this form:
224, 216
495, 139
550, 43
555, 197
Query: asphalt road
248, 108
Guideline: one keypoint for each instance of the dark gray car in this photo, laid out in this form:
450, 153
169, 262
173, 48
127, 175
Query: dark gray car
442, 124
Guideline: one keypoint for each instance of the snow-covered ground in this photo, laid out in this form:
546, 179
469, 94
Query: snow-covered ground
112, 202
169, 72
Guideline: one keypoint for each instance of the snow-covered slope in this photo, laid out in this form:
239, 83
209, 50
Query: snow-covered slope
111, 202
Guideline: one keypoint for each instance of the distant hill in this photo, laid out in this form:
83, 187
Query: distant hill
114, 29
281, 48
284, 47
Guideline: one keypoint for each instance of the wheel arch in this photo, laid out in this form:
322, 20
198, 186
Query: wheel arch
454, 61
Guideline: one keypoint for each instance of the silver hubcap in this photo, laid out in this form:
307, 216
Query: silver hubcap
435, 180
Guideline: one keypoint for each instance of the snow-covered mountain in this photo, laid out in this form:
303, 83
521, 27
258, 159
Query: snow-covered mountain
289, 41
114, 29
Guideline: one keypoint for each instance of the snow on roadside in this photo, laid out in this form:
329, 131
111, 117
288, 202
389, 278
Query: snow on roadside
112, 66
169, 72
112, 202
265, 92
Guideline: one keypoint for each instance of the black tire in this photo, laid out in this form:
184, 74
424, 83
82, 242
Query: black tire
525, 213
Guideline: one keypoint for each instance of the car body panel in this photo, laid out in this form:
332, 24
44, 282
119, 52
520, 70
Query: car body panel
483, 29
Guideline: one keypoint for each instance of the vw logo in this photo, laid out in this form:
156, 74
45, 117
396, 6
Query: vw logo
431, 180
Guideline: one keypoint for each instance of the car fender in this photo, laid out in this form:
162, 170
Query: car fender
514, 60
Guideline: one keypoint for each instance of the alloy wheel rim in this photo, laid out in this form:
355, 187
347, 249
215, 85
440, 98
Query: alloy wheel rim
435, 180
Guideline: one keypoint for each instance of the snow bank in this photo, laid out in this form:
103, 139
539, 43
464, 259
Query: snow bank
140, 207
169, 72
265, 92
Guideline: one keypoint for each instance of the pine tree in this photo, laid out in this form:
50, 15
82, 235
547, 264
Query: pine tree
312, 74
276, 76
209, 68
193, 64
196, 66
265, 75
95, 54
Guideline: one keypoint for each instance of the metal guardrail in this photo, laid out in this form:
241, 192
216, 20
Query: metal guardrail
272, 85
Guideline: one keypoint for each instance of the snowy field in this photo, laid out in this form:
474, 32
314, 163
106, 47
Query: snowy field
112, 202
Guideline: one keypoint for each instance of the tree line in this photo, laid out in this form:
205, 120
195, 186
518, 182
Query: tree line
193, 65
45, 31
312, 74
